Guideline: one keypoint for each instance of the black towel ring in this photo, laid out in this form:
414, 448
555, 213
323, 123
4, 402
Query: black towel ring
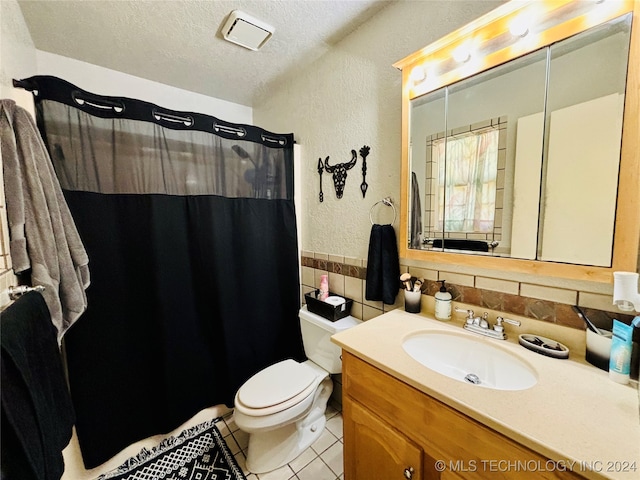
386, 201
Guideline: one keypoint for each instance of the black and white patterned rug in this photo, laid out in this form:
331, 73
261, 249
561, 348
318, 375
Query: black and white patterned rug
198, 453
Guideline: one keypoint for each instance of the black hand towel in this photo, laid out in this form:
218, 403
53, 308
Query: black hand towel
461, 244
37, 414
383, 265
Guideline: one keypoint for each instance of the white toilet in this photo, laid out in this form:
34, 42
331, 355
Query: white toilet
282, 407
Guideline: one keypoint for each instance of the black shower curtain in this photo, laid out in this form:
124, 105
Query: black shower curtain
189, 224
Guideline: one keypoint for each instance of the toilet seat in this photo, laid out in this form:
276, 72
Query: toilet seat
277, 388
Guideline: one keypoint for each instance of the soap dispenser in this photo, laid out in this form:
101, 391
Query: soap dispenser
443, 303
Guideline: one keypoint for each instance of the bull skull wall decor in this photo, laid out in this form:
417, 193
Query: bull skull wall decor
339, 172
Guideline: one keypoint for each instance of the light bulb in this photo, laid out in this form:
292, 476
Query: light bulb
461, 54
519, 27
418, 74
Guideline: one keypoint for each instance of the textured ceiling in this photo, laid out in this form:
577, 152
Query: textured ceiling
179, 42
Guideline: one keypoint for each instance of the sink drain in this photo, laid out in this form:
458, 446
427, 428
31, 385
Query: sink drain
472, 378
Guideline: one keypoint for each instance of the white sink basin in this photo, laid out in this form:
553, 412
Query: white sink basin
471, 361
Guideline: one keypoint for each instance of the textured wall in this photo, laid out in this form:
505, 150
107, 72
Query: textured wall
104, 81
350, 98
17, 52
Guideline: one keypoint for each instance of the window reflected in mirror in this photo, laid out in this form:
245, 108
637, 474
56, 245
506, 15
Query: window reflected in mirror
520, 159
462, 171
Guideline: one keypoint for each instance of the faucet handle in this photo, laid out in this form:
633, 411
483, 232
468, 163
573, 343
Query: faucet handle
499, 321
470, 313
498, 327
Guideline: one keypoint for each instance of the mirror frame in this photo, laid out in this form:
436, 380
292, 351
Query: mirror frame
490, 26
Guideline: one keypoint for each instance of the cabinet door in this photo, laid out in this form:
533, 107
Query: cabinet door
373, 449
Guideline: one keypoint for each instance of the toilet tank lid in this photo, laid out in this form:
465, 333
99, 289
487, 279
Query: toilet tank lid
276, 384
333, 327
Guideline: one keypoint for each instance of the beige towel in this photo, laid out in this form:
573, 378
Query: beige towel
43, 237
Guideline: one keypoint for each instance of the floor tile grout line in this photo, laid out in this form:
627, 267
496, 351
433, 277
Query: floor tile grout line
336, 411
329, 467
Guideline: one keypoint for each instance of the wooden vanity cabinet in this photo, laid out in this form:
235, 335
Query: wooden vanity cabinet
394, 431
376, 449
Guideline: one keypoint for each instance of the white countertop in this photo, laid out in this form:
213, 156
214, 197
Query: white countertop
574, 413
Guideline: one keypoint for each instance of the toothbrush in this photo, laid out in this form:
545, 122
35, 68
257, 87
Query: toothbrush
405, 278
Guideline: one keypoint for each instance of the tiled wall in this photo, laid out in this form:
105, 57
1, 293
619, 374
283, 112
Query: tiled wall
537, 301
346, 278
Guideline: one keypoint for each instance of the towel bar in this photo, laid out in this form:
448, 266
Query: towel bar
16, 292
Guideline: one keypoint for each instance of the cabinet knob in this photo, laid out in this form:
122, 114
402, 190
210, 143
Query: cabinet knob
408, 473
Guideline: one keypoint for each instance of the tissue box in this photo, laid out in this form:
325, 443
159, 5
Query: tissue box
326, 310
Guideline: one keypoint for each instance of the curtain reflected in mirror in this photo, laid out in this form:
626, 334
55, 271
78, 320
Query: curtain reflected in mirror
466, 184
522, 160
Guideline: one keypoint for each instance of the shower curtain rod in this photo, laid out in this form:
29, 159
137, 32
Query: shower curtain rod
47, 87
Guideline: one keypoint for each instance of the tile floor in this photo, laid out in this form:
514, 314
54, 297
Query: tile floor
321, 461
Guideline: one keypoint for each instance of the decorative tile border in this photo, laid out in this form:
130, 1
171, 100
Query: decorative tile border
335, 267
535, 308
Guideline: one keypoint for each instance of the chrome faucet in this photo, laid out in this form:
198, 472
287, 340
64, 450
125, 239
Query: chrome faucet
481, 326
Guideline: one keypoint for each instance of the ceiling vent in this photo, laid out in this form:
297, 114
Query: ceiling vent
246, 31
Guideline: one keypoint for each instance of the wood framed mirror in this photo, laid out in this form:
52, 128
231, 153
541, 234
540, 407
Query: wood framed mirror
520, 142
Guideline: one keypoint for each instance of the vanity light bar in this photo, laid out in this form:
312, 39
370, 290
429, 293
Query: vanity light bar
523, 27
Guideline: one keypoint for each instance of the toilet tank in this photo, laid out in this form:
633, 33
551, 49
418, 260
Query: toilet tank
316, 336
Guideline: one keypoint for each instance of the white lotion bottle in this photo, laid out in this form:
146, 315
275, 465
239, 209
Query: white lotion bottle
443, 303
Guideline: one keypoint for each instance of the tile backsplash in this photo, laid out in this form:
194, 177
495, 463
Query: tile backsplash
347, 277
